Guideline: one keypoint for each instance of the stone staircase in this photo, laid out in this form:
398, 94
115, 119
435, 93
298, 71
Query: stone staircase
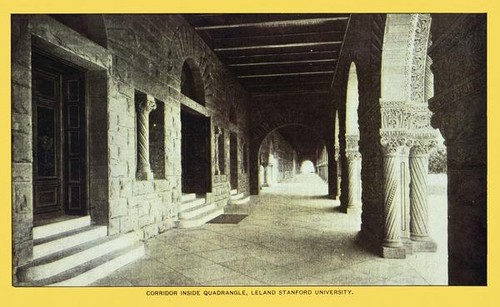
76, 253
238, 198
195, 211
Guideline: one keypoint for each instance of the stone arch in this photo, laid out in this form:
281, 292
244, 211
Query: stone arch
259, 136
91, 26
307, 166
188, 45
352, 199
406, 134
352, 102
192, 82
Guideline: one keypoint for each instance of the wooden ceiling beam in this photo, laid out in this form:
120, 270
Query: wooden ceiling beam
280, 69
285, 56
225, 21
290, 39
323, 61
253, 31
282, 45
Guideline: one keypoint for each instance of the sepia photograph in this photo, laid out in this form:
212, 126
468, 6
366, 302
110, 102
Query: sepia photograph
221, 149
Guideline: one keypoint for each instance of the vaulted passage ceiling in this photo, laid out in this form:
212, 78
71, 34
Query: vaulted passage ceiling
272, 54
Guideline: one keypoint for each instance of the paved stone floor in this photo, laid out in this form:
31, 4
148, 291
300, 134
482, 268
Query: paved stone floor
293, 235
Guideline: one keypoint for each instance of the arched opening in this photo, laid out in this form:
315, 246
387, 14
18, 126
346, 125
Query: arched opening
307, 167
191, 82
352, 201
337, 154
284, 151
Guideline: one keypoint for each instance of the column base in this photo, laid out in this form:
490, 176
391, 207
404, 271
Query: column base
407, 245
427, 245
393, 252
349, 210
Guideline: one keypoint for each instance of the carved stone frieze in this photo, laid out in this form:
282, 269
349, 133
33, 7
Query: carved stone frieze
396, 116
419, 58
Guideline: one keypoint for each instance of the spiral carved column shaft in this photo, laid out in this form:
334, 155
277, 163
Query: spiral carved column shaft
418, 197
392, 202
147, 105
354, 180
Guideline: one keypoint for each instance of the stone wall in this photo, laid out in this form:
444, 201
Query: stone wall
148, 55
145, 53
458, 53
47, 35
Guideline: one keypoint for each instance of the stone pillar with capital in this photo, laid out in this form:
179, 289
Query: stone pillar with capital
145, 106
353, 157
393, 148
419, 217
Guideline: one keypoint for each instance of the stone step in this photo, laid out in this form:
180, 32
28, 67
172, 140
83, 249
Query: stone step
93, 270
234, 191
240, 201
68, 259
236, 196
188, 197
40, 232
200, 220
196, 211
191, 204
62, 241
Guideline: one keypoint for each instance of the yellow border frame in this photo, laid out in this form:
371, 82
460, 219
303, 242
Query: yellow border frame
363, 296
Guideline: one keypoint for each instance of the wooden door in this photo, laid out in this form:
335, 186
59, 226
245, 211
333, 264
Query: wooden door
59, 138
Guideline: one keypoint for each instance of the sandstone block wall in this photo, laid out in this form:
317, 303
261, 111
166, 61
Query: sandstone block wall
142, 53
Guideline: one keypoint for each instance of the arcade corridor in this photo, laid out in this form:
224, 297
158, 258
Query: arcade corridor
291, 236
131, 133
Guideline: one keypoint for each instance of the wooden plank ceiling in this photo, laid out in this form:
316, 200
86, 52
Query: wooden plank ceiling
276, 53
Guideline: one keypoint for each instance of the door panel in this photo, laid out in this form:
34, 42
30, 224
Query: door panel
46, 143
74, 148
59, 138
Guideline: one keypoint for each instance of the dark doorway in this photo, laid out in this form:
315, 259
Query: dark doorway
59, 138
233, 153
195, 143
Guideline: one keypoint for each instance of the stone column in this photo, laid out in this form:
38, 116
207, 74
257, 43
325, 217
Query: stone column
268, 175
217, 133
419, 219
339, 169
145, 106
353, 158
392, 245
262, 177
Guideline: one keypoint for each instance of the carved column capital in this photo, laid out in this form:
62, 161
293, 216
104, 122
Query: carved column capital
396, 144
337, 152
146, 105
422, 146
